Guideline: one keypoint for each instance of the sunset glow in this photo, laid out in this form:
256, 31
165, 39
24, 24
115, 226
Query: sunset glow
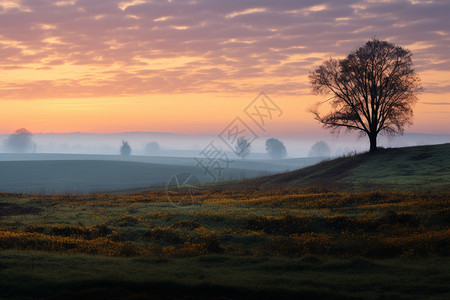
192, 66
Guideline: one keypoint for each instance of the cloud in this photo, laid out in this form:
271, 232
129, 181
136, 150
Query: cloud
436, 103
140, 47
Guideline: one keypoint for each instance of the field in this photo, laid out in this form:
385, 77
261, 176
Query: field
289, 241
76, 173
236, 240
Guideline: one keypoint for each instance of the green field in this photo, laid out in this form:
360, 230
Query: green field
75, 174
272, 237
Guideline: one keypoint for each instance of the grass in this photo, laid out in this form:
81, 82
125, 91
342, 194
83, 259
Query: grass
240, 241
237, 243
74, 174
409, 169
46, 275
413, 169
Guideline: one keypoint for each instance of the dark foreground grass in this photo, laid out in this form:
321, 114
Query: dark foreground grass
231, 243
41, 275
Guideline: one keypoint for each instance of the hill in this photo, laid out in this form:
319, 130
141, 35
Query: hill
269, 165
48, 173
419, 168
76, 173
227, 242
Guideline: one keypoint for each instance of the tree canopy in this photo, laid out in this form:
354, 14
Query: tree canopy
373, 90
125, 149
243, 147
20, 141
319, 149
275, 148
152, 148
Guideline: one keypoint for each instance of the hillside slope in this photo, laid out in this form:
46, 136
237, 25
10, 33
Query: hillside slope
419, 168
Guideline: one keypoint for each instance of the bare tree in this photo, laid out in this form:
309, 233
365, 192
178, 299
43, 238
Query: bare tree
372, 90
125, 149
275, 148
20, 141
243, 147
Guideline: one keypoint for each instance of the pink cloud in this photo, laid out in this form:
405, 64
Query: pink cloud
227, 49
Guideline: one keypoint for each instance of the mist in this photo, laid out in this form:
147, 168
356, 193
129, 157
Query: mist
77, 163
181, 145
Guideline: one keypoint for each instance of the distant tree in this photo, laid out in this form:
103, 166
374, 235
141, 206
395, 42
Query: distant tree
125, 149
275, 148
372, 90
152, 148
243, 147
320, 149
20, 141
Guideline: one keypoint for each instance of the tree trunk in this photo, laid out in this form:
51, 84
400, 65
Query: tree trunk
373, 142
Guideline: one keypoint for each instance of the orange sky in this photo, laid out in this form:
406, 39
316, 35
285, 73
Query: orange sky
192, 67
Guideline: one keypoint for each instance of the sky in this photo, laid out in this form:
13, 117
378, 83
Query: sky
192, 67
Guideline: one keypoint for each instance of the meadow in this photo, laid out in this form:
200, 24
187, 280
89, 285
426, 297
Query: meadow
377, 227
242, 242
42, 173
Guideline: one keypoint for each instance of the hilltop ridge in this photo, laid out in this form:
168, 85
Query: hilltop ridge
418, 168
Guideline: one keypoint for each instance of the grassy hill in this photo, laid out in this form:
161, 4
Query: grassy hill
280, 243
237, 241
269, 165
419, 168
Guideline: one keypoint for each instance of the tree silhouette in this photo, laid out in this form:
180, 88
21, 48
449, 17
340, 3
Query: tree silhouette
125, 149
243, 147
319, 149
20, 141
372, 90
152, 148
275, 148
